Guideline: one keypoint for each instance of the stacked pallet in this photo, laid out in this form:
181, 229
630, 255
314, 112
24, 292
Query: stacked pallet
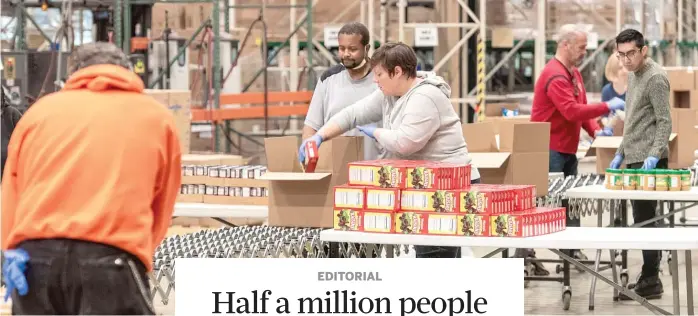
594, 12
219, 179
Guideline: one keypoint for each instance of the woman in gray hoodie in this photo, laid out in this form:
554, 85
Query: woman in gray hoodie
419, 122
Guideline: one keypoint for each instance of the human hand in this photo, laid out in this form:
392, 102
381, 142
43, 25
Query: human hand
606, 131
13, 269
301, 151
650, 163
616, 104
617, 160
369, 130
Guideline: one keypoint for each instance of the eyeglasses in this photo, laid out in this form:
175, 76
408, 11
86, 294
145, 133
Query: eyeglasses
629, 55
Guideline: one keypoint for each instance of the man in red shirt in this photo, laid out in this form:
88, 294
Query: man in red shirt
560, 99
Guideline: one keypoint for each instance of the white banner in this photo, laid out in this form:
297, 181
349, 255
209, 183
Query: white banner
349, 286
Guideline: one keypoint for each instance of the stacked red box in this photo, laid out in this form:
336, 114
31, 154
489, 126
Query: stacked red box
533, 222
432, 198
405, 174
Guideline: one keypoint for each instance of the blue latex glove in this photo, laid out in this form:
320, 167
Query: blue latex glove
617, 160
301, 151
616, 104
368, 130
606, 131
13, 269
650, 163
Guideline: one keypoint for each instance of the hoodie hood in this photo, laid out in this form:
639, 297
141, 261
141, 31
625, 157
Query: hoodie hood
429, 77
105, 78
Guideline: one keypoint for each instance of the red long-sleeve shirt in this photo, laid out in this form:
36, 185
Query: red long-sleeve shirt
557, 101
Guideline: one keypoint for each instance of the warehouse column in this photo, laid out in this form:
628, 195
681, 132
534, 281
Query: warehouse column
541, 38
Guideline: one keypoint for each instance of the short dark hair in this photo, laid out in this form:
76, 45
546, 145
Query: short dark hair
631, 36
98, 53
391, 55
356, 28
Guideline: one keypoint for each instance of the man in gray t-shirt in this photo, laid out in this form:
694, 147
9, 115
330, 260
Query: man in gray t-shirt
344, 84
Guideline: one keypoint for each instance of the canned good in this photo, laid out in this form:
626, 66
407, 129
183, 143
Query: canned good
674, 180
685, 180
614, 179
629, 179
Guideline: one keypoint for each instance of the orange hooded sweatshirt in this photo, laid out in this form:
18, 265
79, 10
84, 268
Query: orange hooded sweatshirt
97, 161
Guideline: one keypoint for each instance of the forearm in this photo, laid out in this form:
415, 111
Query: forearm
591, 127
619, 151
308, 131
330, 130
661, 136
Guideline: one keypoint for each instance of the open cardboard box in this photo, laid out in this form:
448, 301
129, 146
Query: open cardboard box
298, 199
683, 142
605, 148
493, 113
520, 157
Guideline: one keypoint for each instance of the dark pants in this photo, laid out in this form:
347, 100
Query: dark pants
567, 164
439, 251
646, 210
70, 277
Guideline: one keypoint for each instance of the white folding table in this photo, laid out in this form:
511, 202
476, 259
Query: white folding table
219, 211
571, 238
599, 194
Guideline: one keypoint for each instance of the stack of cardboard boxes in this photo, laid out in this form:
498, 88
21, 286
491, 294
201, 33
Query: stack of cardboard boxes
683, 83
222, 179
200, 185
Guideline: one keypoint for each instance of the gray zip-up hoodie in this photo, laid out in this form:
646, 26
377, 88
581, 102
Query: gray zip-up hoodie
420, 125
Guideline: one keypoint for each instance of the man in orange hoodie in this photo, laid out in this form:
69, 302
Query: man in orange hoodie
89, 189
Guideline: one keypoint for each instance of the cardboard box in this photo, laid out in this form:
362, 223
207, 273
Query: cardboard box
178, 16
213, 159
605, 148
522, 156
499, 120
683, 99
179, 102
298, 199
682, 150
681, 79
495, 109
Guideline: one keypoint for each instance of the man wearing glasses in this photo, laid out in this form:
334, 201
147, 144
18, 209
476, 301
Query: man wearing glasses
645, 140
560, 99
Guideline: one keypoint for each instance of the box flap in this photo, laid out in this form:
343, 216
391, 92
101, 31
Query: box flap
480, 137
612, 142
518, 136
495, 109
282, 154
489, 160
294, 176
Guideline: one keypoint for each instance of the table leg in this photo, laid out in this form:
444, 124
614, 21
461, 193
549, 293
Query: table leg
689, 282
644, 302
674, 266
390, 251
614, 272
334, 250
597, 262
